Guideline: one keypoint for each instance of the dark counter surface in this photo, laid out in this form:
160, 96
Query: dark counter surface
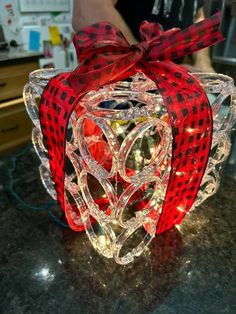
17, 54
46, 268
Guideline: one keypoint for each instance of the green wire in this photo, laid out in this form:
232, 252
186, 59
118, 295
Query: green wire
9, 188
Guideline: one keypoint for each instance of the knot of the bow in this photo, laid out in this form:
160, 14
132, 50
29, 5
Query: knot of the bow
149, 34
144, 47
106, 56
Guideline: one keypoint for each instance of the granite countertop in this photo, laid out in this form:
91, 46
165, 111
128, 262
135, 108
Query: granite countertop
46, 268
17, 54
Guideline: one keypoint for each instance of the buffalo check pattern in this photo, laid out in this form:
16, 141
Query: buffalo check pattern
104, 57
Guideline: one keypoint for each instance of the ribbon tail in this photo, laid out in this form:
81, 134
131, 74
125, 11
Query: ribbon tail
184, 42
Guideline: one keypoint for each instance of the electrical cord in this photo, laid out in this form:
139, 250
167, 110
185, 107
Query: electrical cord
9, 187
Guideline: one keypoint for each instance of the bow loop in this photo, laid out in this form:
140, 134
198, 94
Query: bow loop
143, 47
149, 31
97, 36
175, 43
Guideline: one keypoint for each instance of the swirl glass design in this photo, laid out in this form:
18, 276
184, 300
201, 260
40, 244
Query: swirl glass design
118, 158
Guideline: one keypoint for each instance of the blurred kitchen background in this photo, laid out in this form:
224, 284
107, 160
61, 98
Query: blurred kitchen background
40, 26
38, 33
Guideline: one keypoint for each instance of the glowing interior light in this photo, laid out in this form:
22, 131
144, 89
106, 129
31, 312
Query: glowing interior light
178, 227
180, 173
180, 209
190, 130
152, 150
138, 156
102, 240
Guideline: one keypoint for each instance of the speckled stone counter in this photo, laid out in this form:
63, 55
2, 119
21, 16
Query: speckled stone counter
46, 268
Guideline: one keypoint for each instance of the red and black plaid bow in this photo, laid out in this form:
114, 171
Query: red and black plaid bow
105, 56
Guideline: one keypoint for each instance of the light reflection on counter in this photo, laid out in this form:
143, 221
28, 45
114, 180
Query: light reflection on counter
44, 274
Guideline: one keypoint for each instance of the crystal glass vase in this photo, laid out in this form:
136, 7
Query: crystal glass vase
119, 156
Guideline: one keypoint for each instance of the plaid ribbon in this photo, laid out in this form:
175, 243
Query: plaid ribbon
105, 56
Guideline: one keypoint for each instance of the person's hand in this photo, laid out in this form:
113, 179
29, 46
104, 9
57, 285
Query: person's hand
190, 68
204, 66
202, 61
